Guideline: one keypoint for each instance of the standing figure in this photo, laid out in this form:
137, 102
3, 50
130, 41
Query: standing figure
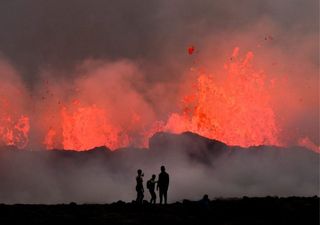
151, 184
139, 187
163, 184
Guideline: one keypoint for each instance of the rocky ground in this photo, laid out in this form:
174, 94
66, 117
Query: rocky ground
268, 210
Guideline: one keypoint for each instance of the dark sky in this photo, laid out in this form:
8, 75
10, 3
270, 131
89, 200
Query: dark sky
58, 34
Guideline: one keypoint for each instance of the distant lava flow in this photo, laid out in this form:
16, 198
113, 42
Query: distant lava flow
236, 110
233, 106
76, 125
14, 131
14, 127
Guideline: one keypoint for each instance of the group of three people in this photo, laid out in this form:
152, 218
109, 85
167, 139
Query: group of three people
162, 186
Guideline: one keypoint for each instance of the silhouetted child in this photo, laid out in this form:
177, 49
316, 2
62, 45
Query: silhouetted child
151, 184
139, 187
163, 184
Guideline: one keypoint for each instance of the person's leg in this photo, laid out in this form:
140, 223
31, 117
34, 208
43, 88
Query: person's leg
138, 196
161, 195
153, 197
142, 196
165, 196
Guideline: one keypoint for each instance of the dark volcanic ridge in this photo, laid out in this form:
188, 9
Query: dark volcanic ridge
162, 144
188, 142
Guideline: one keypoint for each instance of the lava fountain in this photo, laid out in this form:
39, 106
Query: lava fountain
236, 110
233, 106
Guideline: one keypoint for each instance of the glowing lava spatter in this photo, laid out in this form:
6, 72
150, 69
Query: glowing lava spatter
233, 106
14, 127
236, 110
86, 127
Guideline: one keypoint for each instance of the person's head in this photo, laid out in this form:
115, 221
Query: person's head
139, 172
153, 176
163, 169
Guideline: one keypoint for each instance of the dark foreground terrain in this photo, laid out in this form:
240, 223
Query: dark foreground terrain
268, 210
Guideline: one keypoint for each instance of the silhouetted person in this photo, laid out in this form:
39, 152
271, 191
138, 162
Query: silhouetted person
151, 184
163, 184
139, 187
204, 202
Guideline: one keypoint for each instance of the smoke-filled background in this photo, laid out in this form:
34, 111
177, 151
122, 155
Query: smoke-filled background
196, 166
79, 74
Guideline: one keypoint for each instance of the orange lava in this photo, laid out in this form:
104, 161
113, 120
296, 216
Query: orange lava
236, 110
233, 106
306, 142
86, 127
14, 127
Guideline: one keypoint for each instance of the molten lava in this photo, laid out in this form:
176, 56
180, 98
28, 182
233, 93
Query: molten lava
86, 127
191, 49
236, 110
233, 106
14, 127
89, 127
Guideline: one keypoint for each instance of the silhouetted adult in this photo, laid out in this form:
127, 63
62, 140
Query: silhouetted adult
205, 201
139, 187
163, 184
151, 184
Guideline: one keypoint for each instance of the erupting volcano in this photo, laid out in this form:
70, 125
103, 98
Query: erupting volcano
102, 101
244, 76
236, 110
233, 106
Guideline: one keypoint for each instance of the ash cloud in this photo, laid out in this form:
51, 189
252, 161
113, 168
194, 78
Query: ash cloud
37, 34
